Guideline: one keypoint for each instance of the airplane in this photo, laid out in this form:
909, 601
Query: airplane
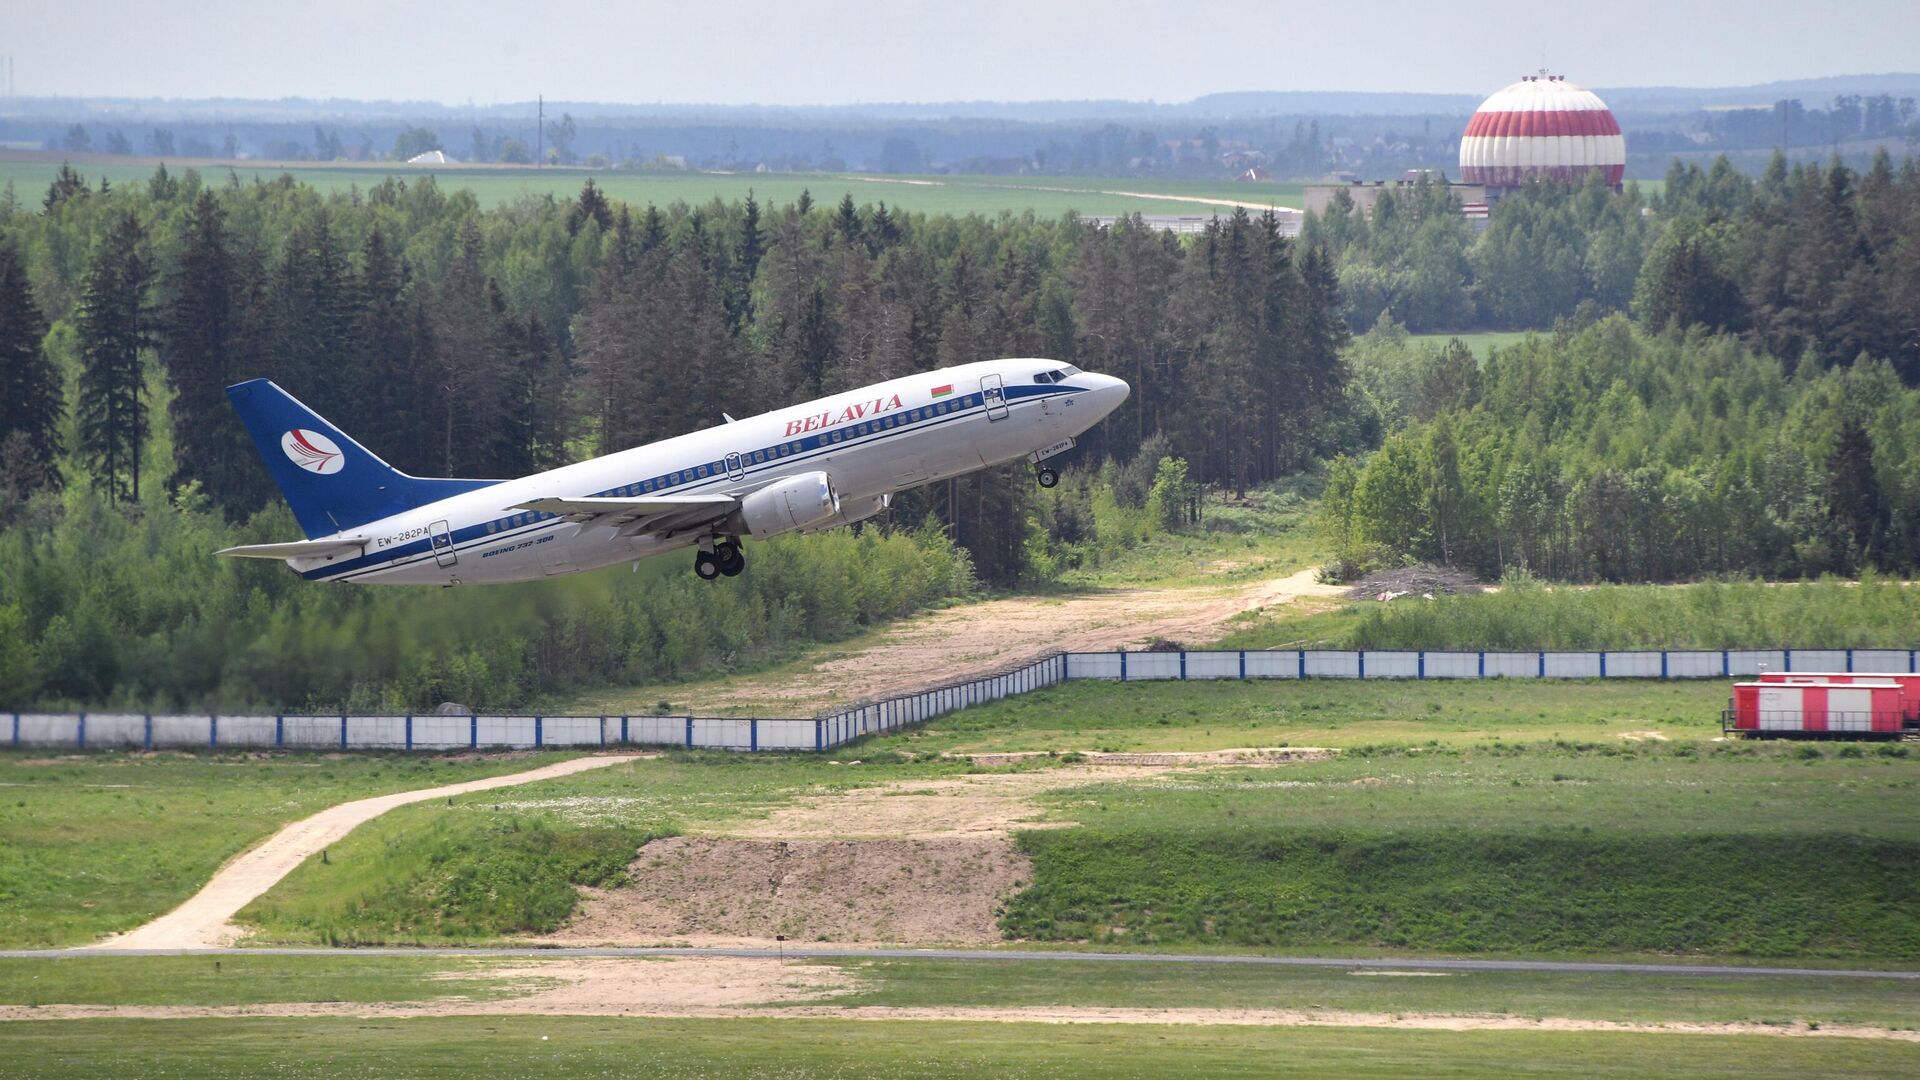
829, 462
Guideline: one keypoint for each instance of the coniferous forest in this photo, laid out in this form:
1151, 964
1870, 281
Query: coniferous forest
1722, 384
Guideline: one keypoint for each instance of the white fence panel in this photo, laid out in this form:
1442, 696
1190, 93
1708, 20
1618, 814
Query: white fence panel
377, 732
442, 732
305, 732
1152, 665
1393, 665
1816, 660
1332, 665
1513, 665
1633, 665
516, 731
185, 731
570, 731
1881, 661
124, 729
721, 733
247, 730
1573, 665
1273, 665
1453, 665
1751, 663
1213, 665
48, 729
1093, 665
1694, 665
787, 734
657, 730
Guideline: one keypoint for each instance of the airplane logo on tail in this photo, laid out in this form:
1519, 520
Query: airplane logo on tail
312, 451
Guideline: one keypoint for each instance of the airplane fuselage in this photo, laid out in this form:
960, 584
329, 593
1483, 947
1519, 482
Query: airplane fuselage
870, 443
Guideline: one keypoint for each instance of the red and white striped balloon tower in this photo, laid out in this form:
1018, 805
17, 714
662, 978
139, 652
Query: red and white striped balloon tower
1542, 126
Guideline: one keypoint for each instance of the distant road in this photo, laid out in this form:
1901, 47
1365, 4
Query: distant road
1567, 966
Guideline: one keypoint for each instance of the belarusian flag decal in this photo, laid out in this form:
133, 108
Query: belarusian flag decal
943, 391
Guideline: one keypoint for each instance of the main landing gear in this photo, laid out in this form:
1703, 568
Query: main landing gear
1046, 476
725, 557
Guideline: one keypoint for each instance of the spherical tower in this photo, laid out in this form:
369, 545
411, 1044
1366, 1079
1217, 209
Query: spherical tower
1542, 126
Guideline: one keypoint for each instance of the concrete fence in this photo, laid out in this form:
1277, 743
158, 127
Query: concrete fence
844, 725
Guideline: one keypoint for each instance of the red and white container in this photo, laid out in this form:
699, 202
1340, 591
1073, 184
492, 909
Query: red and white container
1909, 684
1825, 707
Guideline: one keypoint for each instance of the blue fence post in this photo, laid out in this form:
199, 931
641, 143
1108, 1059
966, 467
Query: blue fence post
1726, 664
753, 734
1303, 663
1362, 658
146, 735
1849, 660
1663, 663
473, 731
16, 729
279, 731
1603, 663
1183, 664
1421, 671
623, 730
539, 736
213, 731
343, 732
1788, 656
818, 741
1123, 665
1483, 664
80, 733
409, 731
689, 732
1243, 663
1543, 663
1911, 670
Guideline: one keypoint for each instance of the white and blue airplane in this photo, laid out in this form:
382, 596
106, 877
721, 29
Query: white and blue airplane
829, 462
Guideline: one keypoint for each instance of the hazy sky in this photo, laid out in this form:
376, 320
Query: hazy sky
742, 51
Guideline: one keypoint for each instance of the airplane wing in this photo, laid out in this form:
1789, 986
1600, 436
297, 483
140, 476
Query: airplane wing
653, 513
350, 547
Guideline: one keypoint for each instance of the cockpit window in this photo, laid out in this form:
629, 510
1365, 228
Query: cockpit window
1064, 372
1044, 377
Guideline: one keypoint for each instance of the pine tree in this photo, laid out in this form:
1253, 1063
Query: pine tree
593, 205
67, 184
1854, 503
31, 403
112, 324
199, 344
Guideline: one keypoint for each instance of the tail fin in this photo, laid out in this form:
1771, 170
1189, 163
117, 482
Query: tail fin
331, 482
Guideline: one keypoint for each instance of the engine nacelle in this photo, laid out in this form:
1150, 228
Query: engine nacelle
796, 502
852, 511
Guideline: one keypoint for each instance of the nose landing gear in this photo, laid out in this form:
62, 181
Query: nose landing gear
725, 557
1046, 476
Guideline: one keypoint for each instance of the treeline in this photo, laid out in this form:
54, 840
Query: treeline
1611, 453
456, 341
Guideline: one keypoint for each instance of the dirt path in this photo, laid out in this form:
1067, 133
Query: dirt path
945, 645
727, 988
205, 919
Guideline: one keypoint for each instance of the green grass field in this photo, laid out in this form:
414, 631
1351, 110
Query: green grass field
1171, 715
584, 1048
102, 842
985, 195
246, 980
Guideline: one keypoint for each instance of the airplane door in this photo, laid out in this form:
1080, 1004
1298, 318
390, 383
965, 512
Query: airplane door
734, 471
996, 399
442, 539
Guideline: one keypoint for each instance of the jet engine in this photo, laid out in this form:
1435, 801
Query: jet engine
796, 502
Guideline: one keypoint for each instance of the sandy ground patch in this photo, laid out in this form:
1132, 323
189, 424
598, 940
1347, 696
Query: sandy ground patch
1253, 755
944, 645
705, 891
726, 988
206, 918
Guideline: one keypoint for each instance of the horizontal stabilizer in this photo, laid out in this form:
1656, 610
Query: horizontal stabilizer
300, 549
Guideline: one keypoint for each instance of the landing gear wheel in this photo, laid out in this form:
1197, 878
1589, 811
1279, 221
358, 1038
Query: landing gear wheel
1047, 477
707, 565
732, 559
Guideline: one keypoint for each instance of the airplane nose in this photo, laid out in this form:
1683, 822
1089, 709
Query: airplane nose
1108, 391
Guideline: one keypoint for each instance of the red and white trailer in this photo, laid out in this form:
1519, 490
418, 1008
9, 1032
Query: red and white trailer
1909, 684
1857, 708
